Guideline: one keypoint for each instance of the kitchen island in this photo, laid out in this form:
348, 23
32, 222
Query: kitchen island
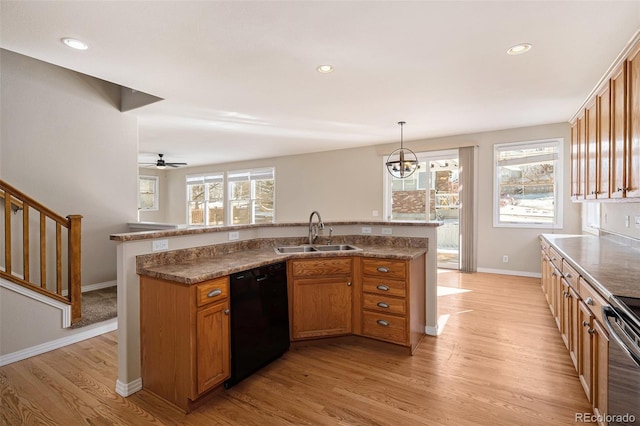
134, 246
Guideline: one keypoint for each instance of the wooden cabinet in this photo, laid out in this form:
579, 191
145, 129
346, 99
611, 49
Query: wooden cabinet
632, 178
578, 131
618, 130
590, 162
393, 300
603, 143
605, 137
320, 297
585, 318
184, 338
578, 313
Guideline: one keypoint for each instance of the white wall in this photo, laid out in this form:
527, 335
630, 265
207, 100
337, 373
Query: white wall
65, 143
613, 218
348, 185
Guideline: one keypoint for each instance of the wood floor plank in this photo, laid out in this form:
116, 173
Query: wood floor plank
499, 360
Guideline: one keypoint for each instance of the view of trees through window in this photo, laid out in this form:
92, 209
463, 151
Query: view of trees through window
250, 198
148, 193
526, 183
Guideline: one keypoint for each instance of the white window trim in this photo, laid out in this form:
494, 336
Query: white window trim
156, 198
558, 184
226, 193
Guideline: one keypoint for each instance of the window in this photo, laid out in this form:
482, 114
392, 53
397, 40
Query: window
148, 193
205, 199
249, 197
528, 184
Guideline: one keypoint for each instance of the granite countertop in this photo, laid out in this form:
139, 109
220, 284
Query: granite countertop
611, 266
198, 229
204, 268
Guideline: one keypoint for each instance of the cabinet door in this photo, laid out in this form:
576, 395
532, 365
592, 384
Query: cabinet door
577, 156
556, 293
565, 329
589, 174
574, 333
600, 369
632, 179
321, 307
603, 148
585, 351
212, 346
618, 131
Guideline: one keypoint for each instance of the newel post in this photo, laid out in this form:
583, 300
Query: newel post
75, 266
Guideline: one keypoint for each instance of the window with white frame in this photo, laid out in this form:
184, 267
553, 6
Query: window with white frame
231, 198
205, 199
251, 196
148, 193
528, 184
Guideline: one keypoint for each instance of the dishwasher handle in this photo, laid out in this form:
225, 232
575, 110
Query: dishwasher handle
620, 335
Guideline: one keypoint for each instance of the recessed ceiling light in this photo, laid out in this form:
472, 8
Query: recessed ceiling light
325, 69
519, 49
75, 43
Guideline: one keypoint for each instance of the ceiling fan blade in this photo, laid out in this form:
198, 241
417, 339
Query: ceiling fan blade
176, 164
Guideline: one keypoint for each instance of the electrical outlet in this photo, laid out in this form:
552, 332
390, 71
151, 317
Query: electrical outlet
158, 245
637, 221
366, 229
374, 213
234, 235
627, 220
505, 259
387, 231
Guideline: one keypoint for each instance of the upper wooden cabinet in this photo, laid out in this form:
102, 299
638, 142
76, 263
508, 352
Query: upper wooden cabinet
605, 137
632, 178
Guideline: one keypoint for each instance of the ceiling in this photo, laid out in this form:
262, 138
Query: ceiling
239, 78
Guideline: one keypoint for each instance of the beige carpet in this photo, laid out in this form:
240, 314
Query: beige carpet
98, 305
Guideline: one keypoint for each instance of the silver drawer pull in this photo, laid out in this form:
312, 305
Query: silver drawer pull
382, 287
214, 293
383, 322
383, 269
589, 301
383, 305
568, 275
226, 311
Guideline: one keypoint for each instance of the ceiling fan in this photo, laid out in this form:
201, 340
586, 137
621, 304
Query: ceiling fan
161, 164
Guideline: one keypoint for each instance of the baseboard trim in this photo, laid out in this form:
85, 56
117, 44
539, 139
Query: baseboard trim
102, 328
510, 272
126, 389
432, 331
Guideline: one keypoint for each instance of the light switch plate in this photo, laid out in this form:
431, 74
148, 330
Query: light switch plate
158, 245
234, 235
366, 229
387, 231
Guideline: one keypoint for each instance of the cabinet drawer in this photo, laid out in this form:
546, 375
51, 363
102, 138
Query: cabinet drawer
384, 286
555, 258
212, 291
570, 274
385, 304
592, 299
384, 268
322, 266
385, 327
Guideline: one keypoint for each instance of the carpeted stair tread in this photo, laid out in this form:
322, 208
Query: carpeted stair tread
97, 306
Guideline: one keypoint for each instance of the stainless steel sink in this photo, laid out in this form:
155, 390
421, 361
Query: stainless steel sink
339, 247
294, 249
315, 248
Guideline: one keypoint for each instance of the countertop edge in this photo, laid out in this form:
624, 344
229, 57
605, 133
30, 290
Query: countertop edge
156, 272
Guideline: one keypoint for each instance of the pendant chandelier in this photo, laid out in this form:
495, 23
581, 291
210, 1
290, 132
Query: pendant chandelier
407, 162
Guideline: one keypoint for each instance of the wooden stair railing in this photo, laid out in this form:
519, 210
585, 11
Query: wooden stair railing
15, 201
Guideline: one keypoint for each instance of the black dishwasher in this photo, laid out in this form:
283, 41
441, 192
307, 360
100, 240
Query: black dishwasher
259, 319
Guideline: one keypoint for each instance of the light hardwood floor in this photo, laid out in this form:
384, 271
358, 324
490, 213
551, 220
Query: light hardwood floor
499, 361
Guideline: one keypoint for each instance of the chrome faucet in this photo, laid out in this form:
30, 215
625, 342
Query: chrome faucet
314, 227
